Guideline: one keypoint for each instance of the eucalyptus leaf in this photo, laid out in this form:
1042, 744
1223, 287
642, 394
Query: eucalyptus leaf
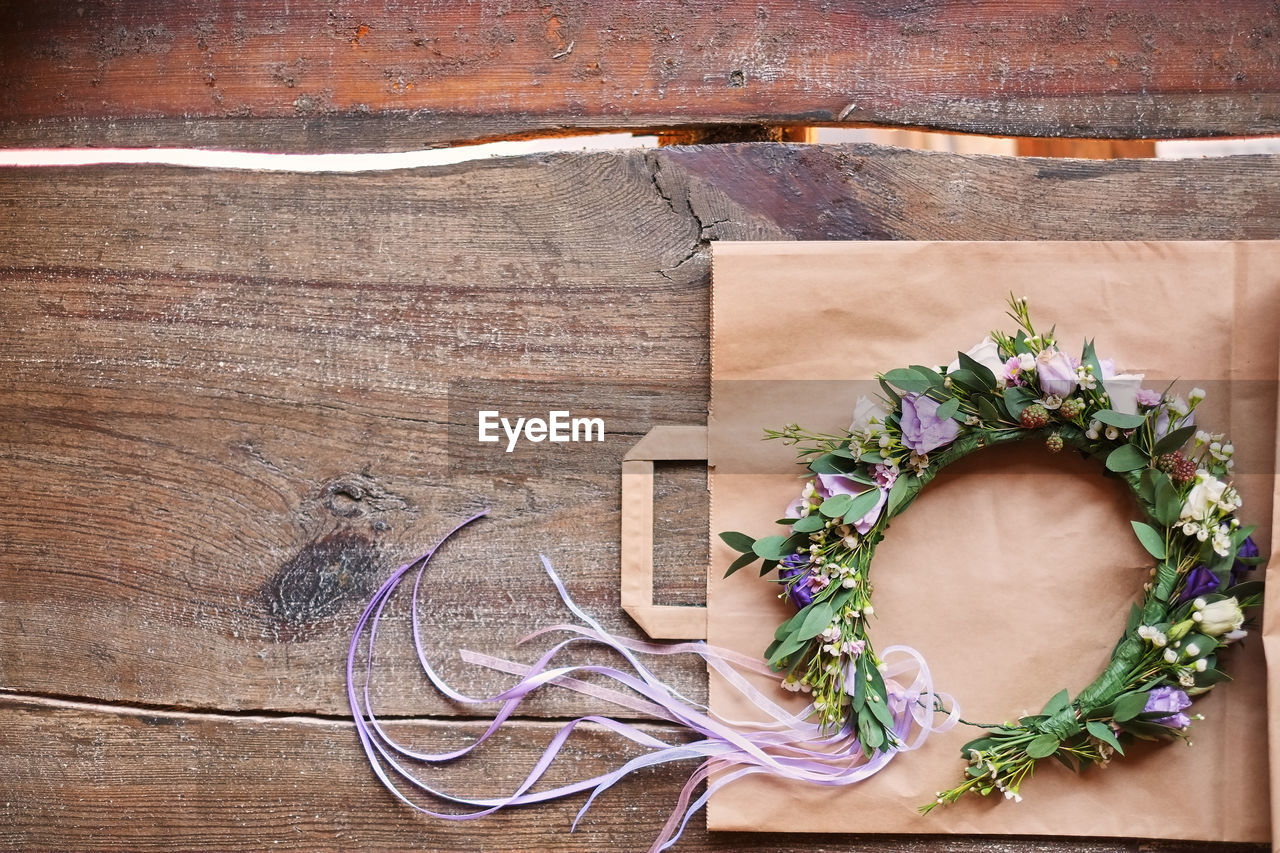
1151, 539
948, 409
1129, 706
835, 506
987, 411
809, 524
1016, 399
1119, 420
1168, 503
1060, 700
743, 560
770, 547
816, 620
738, 541
1126, 457
1043, 746
968, 380
935, 378
881, 713
1103, 732
861, 505
1174, 440
984, 374
826, 464
906, 379
871, 731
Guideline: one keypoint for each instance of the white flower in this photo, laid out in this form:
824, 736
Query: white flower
985, 352
1052, 402
1222, 541
1026, 362
1112, 433
865, 411
1123, 390
1154, 635
1197, 396
1221, 617
1170, 655
1084, 375
1179, 407
1202, 500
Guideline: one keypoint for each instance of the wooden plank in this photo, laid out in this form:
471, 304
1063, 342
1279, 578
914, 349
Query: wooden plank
227, 411
366, 76
100, 778
1088, 149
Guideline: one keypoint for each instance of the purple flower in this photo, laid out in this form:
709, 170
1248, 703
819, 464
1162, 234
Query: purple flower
1057, 375
922, 429
837, 484
800, 592
1172, 702
1248, 551
1012, 371
1200, 581
1148, 398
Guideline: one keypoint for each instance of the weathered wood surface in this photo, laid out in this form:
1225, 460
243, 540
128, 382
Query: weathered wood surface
281, 75
97, 778
225, 417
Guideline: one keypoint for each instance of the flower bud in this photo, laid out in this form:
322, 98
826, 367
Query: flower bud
1220, 617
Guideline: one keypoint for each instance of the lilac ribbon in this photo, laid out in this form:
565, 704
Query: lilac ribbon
780, 743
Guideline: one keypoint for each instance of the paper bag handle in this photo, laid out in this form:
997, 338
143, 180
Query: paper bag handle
659, 621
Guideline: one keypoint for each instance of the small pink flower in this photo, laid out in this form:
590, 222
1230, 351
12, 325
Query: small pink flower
1147, 397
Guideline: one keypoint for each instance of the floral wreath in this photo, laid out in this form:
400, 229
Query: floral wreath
1011, 388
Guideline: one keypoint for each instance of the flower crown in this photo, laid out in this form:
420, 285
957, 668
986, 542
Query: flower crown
1012, 388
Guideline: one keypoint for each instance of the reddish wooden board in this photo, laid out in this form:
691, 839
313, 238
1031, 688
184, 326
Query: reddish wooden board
282, 75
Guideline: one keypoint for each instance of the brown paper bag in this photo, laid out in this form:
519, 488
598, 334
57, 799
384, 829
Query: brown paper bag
1015, 570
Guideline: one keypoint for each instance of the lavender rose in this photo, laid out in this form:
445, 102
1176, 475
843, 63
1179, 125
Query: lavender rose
1056, 372
800, 592
1200, 581
1172, 702
837, 484
922, 429
1248, 551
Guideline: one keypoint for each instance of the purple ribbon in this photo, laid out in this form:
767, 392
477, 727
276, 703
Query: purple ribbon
782, 744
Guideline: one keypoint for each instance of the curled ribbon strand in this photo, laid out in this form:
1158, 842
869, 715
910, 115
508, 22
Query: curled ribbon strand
783, 744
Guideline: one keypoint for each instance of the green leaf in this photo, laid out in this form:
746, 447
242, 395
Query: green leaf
984, 374
1135, 618
835, 506
871, 457
881, 713
987, 411
816, 620
1168, 503
934, 377
1119, 420
809, 524
786, 648
1151, 539
969, 380
1126, 457
826, 464
902, 493
743, 560
1016, 399
1103, 732
908, 380
1129, 706
1089, 358
768, 566
871, 731
948, 409
1210, 677
861, 505
738, 541
1060, 700
770, 547
895, 399
787, 627
1043, 746
1174, 440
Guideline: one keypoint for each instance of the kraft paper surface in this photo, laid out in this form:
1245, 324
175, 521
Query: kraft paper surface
1015, 570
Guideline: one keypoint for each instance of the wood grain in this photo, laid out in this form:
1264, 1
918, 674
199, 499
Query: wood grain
227, 409
104, 778
351, 75
233, 402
